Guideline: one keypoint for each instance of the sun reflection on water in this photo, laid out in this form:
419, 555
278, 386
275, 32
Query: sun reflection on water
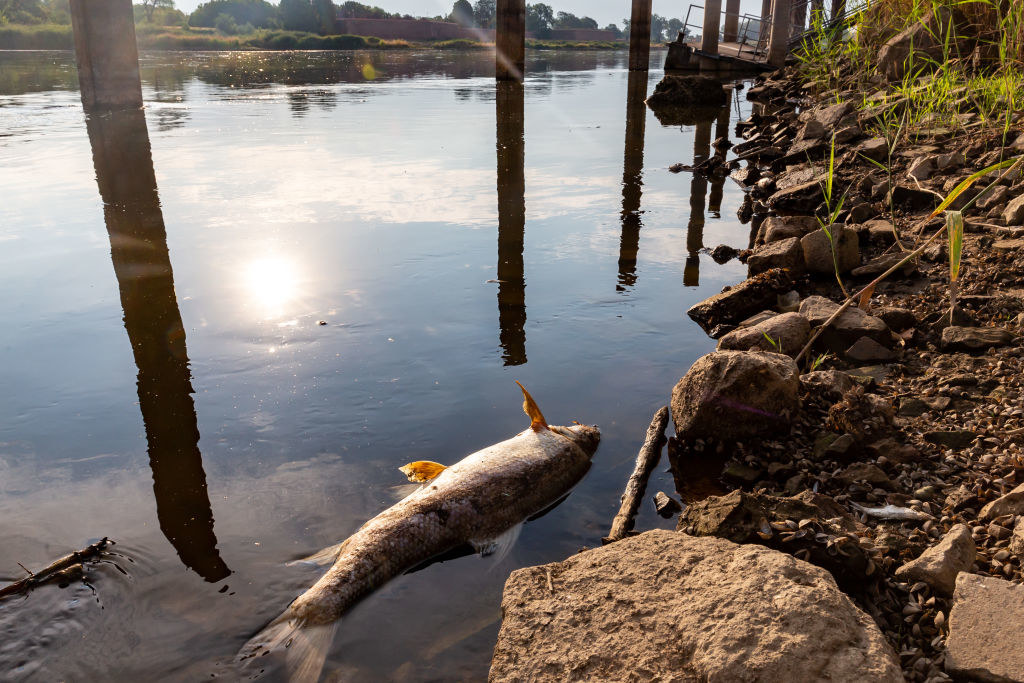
272, 285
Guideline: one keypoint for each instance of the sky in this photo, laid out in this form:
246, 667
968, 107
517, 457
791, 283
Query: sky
604, 11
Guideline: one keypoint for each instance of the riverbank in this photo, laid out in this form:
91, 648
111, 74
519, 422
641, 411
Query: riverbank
59, 37
865, 404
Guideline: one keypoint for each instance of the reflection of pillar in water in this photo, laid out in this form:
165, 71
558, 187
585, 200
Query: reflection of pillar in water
138, 247
698, 191
632, 177
511, 222
718, 181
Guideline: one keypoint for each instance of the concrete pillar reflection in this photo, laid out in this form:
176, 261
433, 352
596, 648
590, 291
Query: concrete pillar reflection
511, 221
718, 182
138, 248
698, 193
106, 54
510, 40
632, 178
640, 35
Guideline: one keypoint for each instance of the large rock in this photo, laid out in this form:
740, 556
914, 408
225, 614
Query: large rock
985, 630
801, 199
778, 228
939, 565
824, 252
974, 338
687, 100
783, 254
670, 607
847, 328
1010, 504
734, 395
736, 304
917, 46
1017, 540
788, 333
1013, 214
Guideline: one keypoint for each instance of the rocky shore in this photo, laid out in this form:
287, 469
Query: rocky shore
876, 451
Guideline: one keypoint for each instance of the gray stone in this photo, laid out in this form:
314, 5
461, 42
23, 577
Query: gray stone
666, 606
1017, 540
803, 198
742, 301
757, 318
880, 231
1016, 244
778, 228
783, 254
822, 253
788, 332
950, 161
897, 318
996, 197
917, 45
788, 302
974, 338
867, 350
1013, 214
881, 264
665, 505
876, 149
848, 327
1011, 503
985, 630
830, 117
956, 439
922, 168
831, 383
736, 395
939, 565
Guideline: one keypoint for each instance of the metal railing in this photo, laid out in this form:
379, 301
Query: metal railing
751, 32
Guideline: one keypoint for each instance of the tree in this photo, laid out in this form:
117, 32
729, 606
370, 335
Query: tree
658, 26
22, 12
462, 13
299, 15
570, 20
483, 13
614, 29
151, 6
326, 15
674, 28
259, 13
539, 19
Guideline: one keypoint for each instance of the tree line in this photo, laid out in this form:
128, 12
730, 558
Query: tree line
318, 16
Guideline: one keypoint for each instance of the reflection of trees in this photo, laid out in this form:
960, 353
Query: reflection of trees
138, 247
511, 221
632, 177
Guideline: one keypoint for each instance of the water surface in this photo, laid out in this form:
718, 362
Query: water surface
228, 320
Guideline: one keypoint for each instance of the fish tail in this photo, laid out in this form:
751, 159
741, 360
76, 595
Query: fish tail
302, 647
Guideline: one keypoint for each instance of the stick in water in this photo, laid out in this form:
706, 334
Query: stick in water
43, 575
646, 460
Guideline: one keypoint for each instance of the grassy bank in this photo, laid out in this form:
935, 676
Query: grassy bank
59, 37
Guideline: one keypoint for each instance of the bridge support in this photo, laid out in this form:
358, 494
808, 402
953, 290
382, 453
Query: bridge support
106, 53
709, 38
640, 36
778, 42
510, 40
731, 29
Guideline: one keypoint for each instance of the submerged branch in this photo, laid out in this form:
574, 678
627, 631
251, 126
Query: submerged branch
43, 575
646, 460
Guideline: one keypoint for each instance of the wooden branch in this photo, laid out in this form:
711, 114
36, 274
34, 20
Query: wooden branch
646, 460
43, 575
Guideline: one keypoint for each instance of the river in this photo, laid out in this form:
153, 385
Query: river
229, 318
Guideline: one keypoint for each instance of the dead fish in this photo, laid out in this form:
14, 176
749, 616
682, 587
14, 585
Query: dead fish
893, 512
479, 500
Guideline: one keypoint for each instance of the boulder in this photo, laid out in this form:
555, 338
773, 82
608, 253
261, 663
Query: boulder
831, 117
1017, 540
911, 198
897, 318
667, 606
876, 149
783, 254
788, 331
917, 46
939, 565
800, 199
777, 228
736, 395
829, 383
974, 338
922, 168
825, 251
998, 196
881, 264
1011, 503
867, 350
687, 100
853, 324
984, 630
738, 303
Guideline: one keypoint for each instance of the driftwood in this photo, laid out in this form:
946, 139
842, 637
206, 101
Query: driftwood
646, 460
66, 562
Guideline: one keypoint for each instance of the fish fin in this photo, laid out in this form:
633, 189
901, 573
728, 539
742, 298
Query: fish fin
499, 547
422, 470
321, 557
403, 491
537, 421
303, 648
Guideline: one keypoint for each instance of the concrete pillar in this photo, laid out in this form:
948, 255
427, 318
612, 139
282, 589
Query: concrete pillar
510, 40
766, 25
799, 17
778, 41
632, 178
640, 35
730, 31
106, 53
712, 26
142, 265
511, 222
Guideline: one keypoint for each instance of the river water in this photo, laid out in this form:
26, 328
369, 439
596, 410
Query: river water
227, 320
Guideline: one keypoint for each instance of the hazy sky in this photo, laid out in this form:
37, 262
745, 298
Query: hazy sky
604, 11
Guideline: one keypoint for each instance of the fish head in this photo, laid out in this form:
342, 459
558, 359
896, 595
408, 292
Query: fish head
587, 437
